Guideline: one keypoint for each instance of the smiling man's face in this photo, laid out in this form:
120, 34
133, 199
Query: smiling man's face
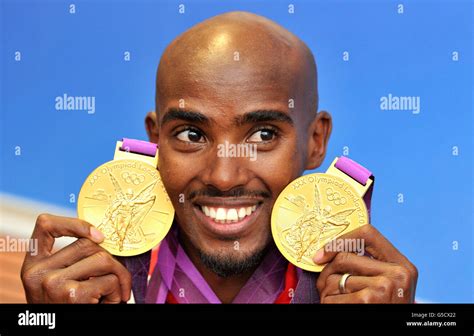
236, 79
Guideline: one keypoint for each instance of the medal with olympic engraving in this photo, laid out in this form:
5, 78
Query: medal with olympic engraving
126, 200
316, 208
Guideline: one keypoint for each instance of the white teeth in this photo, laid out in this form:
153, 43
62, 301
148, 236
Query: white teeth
232, 215
220, 214
227, 215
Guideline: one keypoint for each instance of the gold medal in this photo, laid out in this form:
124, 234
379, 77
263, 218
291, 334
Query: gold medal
126, 200
315, 209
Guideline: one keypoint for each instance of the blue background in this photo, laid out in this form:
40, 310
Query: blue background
407, 54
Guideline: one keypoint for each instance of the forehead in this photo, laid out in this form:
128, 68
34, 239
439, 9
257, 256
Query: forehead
228, 72
204, 96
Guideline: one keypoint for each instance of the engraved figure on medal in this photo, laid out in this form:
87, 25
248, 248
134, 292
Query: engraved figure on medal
316, 225
126, 200
123, 216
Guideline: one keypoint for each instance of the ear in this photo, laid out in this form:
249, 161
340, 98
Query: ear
318, 137
151, 125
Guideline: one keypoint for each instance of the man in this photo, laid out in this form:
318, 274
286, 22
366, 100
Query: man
229, 79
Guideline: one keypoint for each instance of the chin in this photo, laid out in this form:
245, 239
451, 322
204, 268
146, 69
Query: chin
228, 261
234, 247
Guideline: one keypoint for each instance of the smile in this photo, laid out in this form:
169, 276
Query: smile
227, 215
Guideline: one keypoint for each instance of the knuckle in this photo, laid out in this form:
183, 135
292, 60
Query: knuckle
110, 290
365, 297
366, 230
30, 276
413, 271
331, 284
332, 279
116, 282
85, 245
26, 275
105, 258
51, 282
43, 221
74, 293
384, 285
82, 294
113, 283
83, 227
81, 244
403, 276
341, 258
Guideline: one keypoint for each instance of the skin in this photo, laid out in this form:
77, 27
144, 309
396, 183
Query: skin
206, 96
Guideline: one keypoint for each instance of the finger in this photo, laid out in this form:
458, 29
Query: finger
343, 298
99, 264
95, 290
365, 295
107, 288
49, 227
69, 255
350, 263
353, 284
374, 243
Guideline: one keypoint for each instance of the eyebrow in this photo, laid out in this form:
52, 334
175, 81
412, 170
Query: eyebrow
186, 115
248, 118
264, 116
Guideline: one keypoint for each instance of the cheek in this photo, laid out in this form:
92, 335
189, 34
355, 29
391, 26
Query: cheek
175, 173
279, 168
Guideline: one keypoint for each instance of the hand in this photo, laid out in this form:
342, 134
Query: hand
82, 272
387, 277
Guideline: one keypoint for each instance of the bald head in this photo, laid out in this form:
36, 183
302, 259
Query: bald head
234, 54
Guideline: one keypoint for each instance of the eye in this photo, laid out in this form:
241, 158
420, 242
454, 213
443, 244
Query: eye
262, 135
190, 135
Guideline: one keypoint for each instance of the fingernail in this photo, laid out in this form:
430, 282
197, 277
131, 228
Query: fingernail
96, 235
318, 256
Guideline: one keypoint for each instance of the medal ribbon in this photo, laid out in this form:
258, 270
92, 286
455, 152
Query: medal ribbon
358, 173
139, 147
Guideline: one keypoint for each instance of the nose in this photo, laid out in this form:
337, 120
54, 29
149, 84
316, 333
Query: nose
226, 173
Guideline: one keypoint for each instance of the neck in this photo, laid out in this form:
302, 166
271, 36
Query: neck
226, 288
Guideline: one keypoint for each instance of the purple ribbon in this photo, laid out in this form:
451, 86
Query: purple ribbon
139, 146
175, 273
